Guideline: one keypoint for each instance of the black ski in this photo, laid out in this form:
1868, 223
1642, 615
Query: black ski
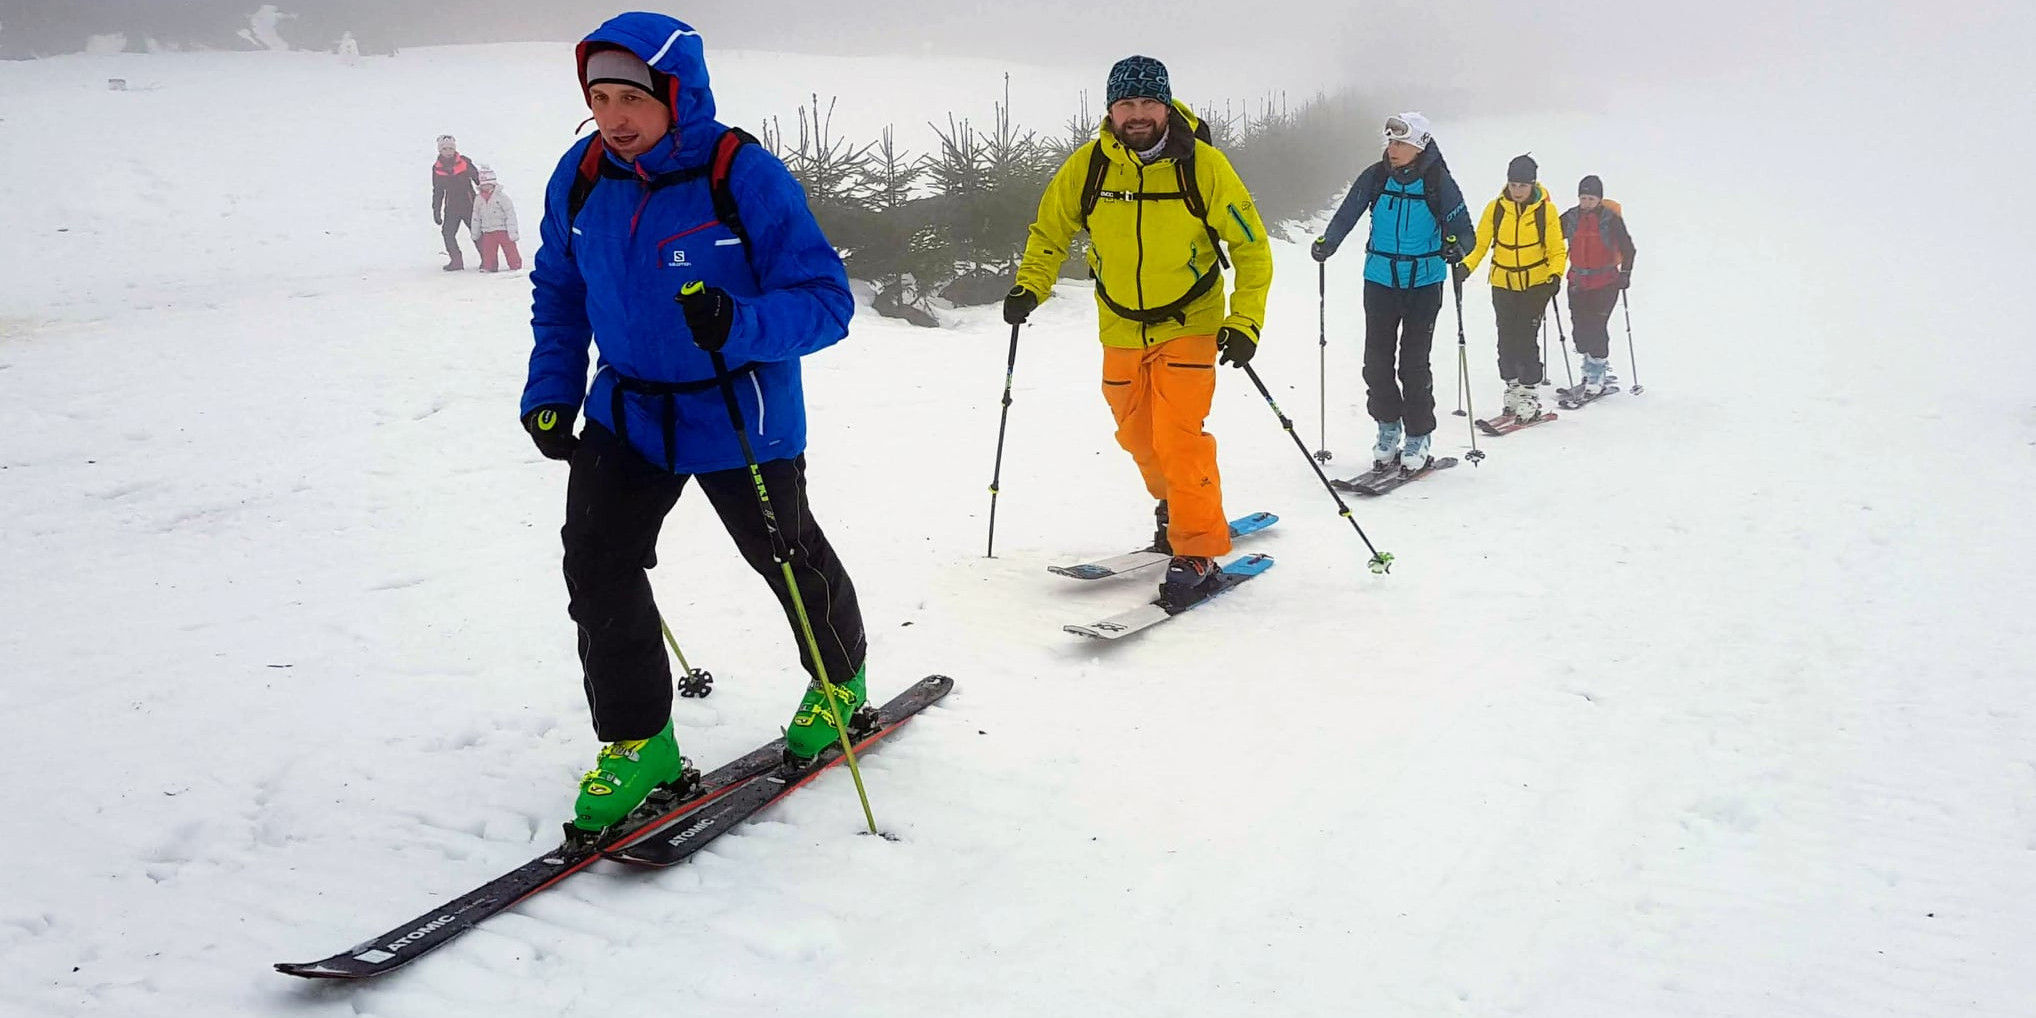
675, 843
1570, 399
1375, 484
440, 926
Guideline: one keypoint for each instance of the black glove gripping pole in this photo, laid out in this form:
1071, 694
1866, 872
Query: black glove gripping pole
783, 554
1381, 562
1003, 419
1555, 305
1631, 362
1322, 454
1475, 455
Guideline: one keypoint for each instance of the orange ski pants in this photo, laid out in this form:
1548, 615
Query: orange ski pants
1160, 396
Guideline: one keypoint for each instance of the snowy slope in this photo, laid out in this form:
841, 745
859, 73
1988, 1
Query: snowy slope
1711, 701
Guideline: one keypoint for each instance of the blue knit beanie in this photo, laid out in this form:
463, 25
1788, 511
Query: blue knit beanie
1139, 78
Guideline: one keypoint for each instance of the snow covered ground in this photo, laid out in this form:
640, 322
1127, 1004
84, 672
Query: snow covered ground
1712, 701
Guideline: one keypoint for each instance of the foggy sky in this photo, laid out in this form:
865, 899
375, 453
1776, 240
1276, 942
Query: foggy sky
1498, 48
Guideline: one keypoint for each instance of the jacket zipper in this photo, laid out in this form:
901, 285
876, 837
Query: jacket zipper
1138, 231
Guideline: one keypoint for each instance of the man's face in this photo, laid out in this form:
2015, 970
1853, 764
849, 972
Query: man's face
1400, 153
631, 120
1139, 123
1589, 202
1519, 192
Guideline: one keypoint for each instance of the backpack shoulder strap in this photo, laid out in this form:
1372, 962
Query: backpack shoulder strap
1498, 216
1541, 223
584, 178
1192, 197
1092, 185
731, 142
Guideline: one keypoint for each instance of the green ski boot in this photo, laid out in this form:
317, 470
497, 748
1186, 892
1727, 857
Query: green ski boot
813, 728
624, 775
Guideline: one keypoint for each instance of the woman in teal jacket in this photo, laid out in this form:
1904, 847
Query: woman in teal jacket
1418, 222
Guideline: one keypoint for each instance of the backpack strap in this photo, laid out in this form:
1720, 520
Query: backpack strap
584, 179
1092, 187
725, 150
1176, 311
1191, 195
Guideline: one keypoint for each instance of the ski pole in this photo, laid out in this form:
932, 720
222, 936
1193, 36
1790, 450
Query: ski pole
1322, 362
1459, 388
696, 681
1003, 419
1381, 562
1631, 362
783, 554
1555, 305
1475, 455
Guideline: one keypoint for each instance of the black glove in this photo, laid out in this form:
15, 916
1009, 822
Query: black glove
1321, 250
1237, 347
437, 218
1458, 272
710, 313
1018, 305
1554, 287
551, 427
1452, 252
1625, 278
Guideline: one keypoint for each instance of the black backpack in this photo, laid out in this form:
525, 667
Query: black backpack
1188, 192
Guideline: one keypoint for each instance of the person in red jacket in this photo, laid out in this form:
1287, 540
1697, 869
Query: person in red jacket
1600, 266
452, 199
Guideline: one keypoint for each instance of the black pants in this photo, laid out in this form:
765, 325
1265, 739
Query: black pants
1590, 311
616, 501
1519, 313
1400, 323
454, 219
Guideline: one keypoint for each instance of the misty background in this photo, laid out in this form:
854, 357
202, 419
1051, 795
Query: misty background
1506, 52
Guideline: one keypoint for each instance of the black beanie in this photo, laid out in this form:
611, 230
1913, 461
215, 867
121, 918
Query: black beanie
1592, 186
1522, 170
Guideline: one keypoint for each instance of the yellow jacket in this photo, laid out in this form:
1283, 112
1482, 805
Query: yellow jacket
1147, 254
1522, 257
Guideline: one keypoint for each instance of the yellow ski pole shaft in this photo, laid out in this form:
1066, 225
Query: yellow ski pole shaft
673, 642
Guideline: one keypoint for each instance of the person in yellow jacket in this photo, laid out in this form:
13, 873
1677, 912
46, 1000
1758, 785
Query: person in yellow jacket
1523, 231
1156, 200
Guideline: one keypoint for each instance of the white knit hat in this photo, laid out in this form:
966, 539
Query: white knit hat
484, 175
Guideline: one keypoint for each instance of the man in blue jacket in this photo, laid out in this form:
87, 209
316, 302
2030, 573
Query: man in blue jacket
1418, 222
631, 218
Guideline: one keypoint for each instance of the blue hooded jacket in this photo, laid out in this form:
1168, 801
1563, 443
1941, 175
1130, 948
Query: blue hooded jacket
614, 277
1406, 245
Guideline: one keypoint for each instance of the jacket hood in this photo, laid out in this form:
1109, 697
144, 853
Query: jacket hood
672, 48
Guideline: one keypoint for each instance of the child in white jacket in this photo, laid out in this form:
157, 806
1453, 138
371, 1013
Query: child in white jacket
495, 222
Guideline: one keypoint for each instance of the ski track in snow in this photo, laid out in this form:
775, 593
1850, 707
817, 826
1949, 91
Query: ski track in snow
1710, 701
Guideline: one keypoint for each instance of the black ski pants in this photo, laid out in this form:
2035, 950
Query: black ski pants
1400, 324
1590, 313
1519, 313
616, 502
454, 219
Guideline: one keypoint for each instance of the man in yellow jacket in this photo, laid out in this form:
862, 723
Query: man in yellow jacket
1523, 231
1156, 200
